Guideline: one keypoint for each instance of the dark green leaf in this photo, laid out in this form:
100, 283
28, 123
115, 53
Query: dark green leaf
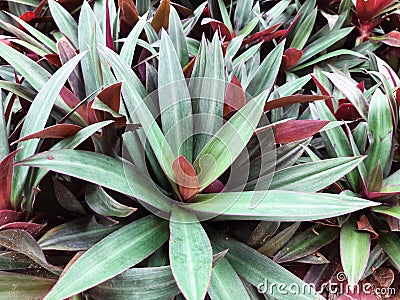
116, 253
307, 242
190, 254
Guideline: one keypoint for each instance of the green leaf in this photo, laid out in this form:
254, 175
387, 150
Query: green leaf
129, 46
207, 89
277, 205
262, 233
138, 283
134, 103
20, 286
190, 254
390, 211
177, 36
335, 139
242, 13
79, 234
380, 130
300, 39
103, 204
327, 56
276, 11
302, 13
350, 90
376, 259
390, 243
143, 6
65, 22
174, 100
260, 271
324, 43
4, 148
22, 36
307, 242
226, 145
246, 55
276, 242
36, 119
224, 280
314, 176
35, 176
233, 47
31, 47
90, 38
265, 75
37, 34
116, 253
22, 242
98, 168
18, 89
34, 73
354, 251
225, 16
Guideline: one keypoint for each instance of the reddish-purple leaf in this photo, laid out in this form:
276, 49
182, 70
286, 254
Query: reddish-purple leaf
392, 38
187, 179
27, 17
8, 216
186, 12
398, 96
365, 11
72, 101
291, 26
382, 4
296, 130
324, 92
144, 54
109, 37
291, 57
58, 131
31, 228
54, 59
214, 187
224, 32
67, 51
129, 16
6, 175
284, 101
361, 86
259, 35
364, 225
161, 17
347, 111
91, 115
39, 7
188, 69
111, 96
235, 97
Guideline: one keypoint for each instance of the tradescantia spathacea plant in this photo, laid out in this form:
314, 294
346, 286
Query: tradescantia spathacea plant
203, 139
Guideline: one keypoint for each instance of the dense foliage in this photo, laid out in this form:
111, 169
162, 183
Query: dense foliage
219, 149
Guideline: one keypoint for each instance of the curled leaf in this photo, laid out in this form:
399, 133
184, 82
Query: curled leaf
186, 178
